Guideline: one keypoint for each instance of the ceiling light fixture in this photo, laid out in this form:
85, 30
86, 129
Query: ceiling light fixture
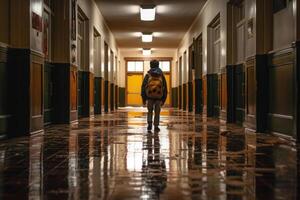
147, 13
147, 37
146, 52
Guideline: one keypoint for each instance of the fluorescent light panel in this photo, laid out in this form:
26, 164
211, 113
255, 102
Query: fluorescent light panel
146, 52
147, 37
147, 13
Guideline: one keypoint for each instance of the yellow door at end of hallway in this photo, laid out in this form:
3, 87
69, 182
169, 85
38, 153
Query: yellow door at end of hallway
134, 84
168, 80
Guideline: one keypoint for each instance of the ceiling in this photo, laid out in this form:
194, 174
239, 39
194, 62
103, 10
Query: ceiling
173, 19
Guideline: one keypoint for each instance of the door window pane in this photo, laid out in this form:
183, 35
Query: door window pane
165, 66
135, 66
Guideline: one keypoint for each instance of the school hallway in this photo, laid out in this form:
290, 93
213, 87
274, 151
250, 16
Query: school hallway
75, 75
114, 157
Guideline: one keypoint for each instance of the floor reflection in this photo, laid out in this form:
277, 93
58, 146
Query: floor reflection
114, 157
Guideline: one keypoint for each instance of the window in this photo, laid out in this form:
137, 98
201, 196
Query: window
135, 66
164, 66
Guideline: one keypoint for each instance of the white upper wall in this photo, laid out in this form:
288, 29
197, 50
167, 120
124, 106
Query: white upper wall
97, 21
210, 10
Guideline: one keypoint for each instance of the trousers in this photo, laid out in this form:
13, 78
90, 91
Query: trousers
156, 106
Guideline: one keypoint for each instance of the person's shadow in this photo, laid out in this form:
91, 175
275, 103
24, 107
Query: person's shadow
154, 168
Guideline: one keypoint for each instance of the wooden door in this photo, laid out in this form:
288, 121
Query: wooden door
134, 84
168, 80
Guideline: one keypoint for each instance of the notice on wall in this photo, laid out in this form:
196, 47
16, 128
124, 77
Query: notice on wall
37, 22
37, 25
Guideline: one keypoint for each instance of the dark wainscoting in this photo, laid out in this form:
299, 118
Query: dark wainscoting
204, 89
184, 96
235, 95
65, 93
180, 97
175, 97
112, 97
239, 79
282, 92
5, 115
98, 95
26, 98
231, 93
223, 94
198, 96
213, 107
122, 97
116, 97
83, 94
297, 88
250, 97
190, 97
106, 96
172, 99
257, 93
91, 94
262, 90
48, 93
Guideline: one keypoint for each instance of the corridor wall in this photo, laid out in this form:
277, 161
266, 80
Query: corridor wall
255, 84
96, 69
32, 69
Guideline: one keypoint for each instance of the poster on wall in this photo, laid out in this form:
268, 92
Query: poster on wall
37, 24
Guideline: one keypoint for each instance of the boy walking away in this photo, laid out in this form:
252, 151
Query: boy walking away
154, 93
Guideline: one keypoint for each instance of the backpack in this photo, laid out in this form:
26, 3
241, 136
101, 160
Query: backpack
154, 87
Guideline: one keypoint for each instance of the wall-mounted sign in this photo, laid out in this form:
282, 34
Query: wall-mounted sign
37, 22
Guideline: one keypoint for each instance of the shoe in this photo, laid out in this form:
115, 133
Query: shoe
156, 129
149, 128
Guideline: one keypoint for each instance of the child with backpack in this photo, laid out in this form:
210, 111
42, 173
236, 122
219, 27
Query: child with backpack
154, 93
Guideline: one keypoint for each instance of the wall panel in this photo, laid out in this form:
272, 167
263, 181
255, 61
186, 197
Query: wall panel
250, 93
4, 93
204, 88
98, 95
239, 94
223, 95
281, 92
91, 93
36, 93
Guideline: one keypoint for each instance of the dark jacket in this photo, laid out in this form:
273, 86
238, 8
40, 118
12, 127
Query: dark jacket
145, 81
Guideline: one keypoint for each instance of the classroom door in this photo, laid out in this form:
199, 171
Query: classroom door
134, 84
168, 80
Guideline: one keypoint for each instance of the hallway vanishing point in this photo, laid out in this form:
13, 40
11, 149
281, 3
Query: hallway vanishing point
113, 157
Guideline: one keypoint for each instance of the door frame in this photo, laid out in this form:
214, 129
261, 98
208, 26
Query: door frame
170, 59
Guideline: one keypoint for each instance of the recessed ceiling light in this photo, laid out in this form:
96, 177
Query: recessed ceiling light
148, 13
147, 37
146, 52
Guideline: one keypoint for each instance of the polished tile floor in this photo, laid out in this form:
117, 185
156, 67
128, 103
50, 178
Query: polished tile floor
113, 157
